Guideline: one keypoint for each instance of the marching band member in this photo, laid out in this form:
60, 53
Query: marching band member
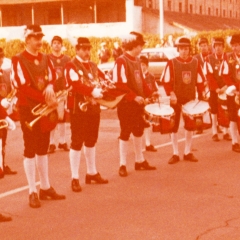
231, 74
5, 89
150, 80
33, 75
127, 74
83, 75
181, 76
203, 47
59, 61
216, 84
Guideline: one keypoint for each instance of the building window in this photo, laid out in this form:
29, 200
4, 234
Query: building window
209, 11
200, 9
169, 5
180, 7
150, 3
216, 11
191, 8
236, 15
224, 13
230, 14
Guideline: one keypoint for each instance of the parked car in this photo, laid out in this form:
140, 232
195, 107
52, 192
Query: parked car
157, 57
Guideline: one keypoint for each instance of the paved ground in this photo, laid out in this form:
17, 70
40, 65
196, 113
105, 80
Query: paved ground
185, 201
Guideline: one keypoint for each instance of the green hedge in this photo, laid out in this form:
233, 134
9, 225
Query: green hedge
13, 47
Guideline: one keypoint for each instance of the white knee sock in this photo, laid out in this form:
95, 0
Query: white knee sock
29, 165
188, 142
214, 123
225, 130
90, 160
147, 133
75, 157
234, 132
1, 156
61, 129
137, 143
52, 133
42, 166
174, 138
123, 150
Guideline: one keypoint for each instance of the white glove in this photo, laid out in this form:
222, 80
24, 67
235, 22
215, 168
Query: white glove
230, 90
11, 123
5, 103
97, 93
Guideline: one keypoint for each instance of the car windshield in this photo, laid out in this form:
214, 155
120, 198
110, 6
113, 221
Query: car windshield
155, 56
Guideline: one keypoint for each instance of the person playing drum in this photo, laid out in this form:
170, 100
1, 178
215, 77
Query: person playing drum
127, 74
217, 86
150, 80
203, 47
180, 78
231, 74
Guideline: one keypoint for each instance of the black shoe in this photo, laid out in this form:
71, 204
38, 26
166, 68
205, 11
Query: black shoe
76, 186
144, 166
189, 157
34, 201
4, 218
227, 137
1, 173
174, 159
96, 178
215, 138
52, 148
200, 131
236, 147
50, 194
63, 146
122, 171
151, 148
8, 171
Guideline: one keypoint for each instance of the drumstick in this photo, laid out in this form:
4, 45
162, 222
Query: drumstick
196, 104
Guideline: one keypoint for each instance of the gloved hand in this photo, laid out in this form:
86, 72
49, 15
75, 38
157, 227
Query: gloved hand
97, 93
11, 123
5, 103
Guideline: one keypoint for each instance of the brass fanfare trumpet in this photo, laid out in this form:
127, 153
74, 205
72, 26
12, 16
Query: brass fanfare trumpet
43, 109
105, 84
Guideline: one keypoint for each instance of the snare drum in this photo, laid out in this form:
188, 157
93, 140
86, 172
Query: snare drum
161, 116
223, 116
195, 114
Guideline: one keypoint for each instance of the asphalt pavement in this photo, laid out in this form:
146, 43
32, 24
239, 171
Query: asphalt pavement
184, 201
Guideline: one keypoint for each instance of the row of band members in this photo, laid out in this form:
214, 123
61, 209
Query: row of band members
37, 77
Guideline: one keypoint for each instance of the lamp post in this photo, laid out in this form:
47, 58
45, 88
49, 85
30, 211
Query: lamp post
161, 19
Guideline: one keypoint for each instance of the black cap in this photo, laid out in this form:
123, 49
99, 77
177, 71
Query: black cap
144, 59
218, 40
235, 39
202, 40
83, 42
1, 53
57, 38
33, 30
183, 42
139, 38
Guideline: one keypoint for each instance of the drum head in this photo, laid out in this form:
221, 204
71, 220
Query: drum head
195, 107
159, 110
222, 96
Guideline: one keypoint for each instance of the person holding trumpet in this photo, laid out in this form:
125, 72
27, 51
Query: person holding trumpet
83, 76
230, 72
33, 75
216, 84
